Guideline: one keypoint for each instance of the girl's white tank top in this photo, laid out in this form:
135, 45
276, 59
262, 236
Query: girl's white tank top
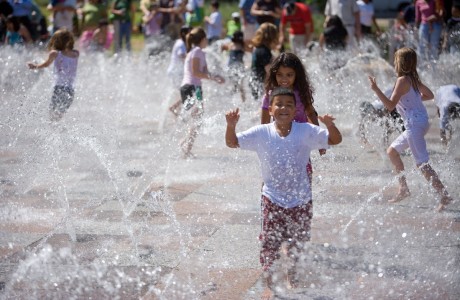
65, 69
411, 107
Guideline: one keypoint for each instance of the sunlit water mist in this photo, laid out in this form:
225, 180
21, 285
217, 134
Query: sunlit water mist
112, 167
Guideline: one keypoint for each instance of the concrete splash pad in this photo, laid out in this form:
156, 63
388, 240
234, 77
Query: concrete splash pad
102, 206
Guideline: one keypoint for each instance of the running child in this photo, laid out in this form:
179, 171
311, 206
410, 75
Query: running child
288, 71
447, 100
195, 69
264, 41
236, 50
407, 97
176, 66
65, 60
283, 148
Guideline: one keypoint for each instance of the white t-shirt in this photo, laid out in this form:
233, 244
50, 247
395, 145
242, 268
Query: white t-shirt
445, 96
345, 9
176, 64
215, 25
284, 160
366, 12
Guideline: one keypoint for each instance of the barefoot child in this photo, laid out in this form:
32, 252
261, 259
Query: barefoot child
283, 149
65, 60
195, 69
407, 97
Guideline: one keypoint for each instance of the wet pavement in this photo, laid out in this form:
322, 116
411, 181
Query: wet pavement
189, 229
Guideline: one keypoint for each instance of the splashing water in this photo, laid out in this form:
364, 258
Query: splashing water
102, 205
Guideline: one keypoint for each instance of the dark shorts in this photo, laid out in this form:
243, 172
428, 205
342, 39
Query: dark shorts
189, 93
279, 225
62, 98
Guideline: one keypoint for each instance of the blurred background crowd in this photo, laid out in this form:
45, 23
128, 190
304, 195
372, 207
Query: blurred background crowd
114, 25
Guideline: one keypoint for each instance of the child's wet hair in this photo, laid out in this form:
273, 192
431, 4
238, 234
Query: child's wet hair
281, 91
405, 62
302, 81
266, 35
194, 37
61, 40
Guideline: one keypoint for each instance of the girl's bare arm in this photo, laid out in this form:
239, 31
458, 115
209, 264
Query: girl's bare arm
51, 57
205, 74
427, 94
401, 88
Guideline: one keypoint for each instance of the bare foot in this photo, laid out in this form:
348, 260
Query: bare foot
445, 200
267, 294
402, 194
174, 111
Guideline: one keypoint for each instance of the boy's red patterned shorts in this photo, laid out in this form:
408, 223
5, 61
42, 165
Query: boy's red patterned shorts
291, 225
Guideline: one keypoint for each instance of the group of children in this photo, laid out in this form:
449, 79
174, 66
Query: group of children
283, 148
284, 145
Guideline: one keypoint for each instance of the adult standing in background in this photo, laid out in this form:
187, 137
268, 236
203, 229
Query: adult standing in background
63, 14
248, 20
298, 16
428, 18
122, 15
5, 10
214, 23
22, 10
367, 17
348, 11
173, 17
266, 11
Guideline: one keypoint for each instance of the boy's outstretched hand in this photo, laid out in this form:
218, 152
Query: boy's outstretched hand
335, 137
327, 120
232, 117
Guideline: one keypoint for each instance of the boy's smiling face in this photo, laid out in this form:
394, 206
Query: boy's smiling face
283, 109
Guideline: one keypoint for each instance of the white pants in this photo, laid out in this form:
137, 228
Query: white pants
414, 138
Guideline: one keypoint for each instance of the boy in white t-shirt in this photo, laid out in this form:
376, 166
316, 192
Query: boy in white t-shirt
214, 23
286, 195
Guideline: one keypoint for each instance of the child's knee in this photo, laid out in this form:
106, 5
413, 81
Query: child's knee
391, 152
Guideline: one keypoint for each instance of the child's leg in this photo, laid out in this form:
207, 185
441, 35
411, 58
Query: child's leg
188, 142
270, 243
436, 183
175, 107
298, 221
267, 293
398, 165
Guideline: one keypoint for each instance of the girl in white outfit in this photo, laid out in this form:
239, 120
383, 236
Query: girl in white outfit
65, 60
407, 97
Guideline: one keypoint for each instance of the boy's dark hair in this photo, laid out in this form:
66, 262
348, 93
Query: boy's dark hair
281, 91
302, 82
238, 37
215, 4
184, 31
